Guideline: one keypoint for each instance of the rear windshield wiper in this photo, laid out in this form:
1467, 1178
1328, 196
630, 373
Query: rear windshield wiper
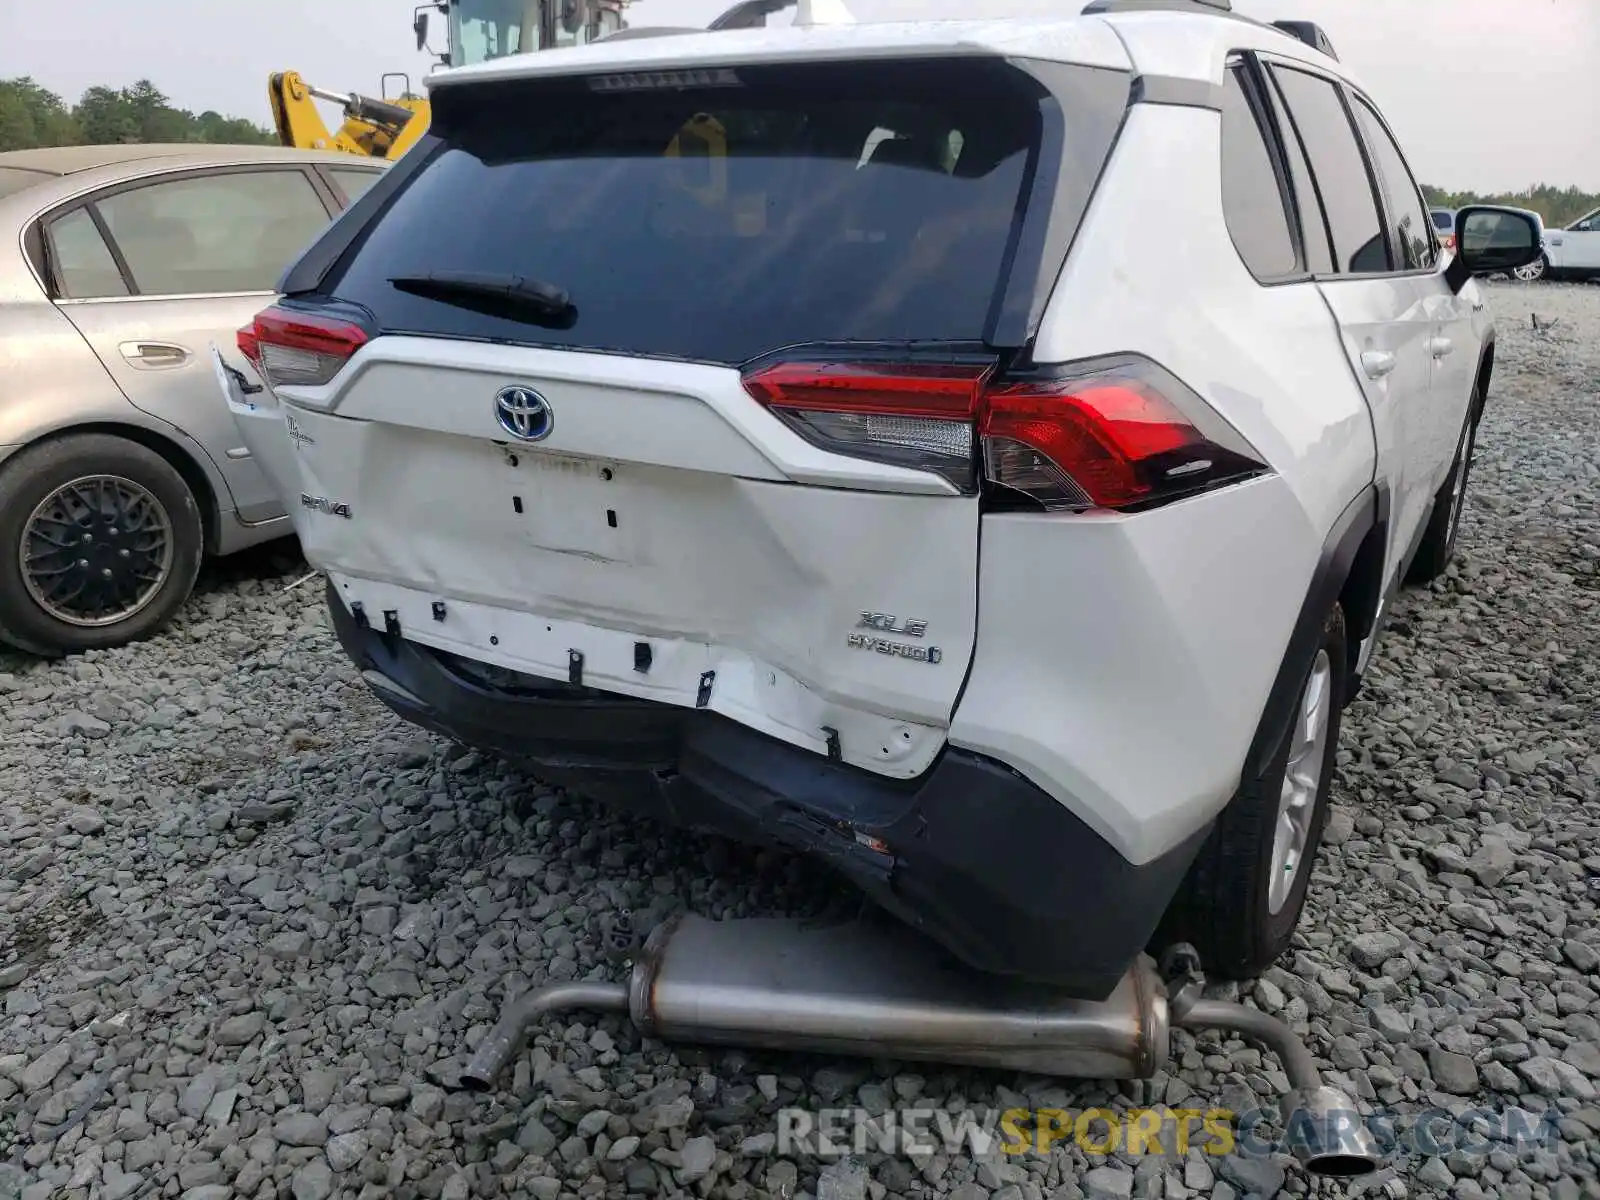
491, 292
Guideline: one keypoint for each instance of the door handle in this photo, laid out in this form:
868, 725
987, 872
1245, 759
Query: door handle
154, 354
1441, 346
1377, 363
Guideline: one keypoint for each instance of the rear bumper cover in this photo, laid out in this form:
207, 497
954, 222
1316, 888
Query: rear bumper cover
973, 854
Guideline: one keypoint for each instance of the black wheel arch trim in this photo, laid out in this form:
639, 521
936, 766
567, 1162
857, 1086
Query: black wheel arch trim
1366, 515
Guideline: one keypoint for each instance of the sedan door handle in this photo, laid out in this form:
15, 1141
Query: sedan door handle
1377, 363
154, 354
1441, 346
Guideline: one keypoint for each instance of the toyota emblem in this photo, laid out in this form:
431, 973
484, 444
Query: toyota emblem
523, 413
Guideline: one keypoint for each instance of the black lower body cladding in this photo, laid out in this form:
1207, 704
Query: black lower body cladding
971, 853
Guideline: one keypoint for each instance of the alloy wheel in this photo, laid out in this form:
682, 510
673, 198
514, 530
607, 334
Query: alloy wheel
1302, 782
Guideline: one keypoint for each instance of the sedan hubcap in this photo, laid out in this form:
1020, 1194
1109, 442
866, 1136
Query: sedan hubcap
1302, 780
96, 551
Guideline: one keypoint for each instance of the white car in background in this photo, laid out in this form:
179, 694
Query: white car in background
1570, 253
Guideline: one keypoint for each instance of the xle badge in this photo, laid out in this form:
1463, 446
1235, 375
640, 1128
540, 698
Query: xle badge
882, 623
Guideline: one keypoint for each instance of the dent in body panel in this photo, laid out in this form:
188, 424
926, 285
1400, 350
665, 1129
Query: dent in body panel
1128, 678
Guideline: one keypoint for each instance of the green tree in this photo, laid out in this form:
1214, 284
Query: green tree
30, 116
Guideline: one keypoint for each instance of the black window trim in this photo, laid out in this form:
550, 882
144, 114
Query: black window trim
1352, 97
1272, 136
45, 271
1343, 89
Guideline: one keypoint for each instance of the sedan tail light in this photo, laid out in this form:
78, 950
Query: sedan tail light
1117, 433
298, 348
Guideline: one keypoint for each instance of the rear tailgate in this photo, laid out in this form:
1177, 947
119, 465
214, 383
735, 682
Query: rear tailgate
565, 489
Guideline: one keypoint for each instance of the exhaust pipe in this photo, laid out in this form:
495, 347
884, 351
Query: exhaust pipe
865, 990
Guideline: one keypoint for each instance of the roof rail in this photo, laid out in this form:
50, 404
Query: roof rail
1308, 32
1098, 7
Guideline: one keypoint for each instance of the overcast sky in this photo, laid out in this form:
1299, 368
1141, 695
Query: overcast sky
1484, 94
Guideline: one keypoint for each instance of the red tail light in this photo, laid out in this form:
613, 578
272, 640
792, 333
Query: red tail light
1116, 433
298, 348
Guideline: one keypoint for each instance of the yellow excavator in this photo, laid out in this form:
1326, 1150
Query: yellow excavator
477, 30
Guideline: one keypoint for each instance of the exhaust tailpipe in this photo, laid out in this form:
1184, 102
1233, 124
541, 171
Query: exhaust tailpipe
868, 990
1329, 1138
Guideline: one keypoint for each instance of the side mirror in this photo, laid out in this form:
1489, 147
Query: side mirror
420, 28
1491, 239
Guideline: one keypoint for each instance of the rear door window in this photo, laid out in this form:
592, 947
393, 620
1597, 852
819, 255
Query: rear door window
1318, 113
714, 223
230, 232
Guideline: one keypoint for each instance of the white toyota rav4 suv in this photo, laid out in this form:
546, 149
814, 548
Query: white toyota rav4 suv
795, 432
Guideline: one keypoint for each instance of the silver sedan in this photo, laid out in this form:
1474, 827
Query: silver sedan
120, 466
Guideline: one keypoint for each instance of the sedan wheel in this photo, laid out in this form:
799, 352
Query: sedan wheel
96, 551
100, 542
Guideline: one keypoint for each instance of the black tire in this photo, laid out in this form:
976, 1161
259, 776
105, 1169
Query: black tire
1438, 545
1224, 908
32, 477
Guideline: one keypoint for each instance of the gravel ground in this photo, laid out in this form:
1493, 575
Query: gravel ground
248, 920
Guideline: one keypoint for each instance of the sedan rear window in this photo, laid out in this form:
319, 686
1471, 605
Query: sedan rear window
1443, 221
776, 205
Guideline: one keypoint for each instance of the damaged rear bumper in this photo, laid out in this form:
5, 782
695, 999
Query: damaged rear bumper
981, 860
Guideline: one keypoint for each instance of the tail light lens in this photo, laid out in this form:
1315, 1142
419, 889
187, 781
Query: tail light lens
1116, 433
905, 414
297, 348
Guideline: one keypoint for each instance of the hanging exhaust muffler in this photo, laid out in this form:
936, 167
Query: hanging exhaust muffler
867, 990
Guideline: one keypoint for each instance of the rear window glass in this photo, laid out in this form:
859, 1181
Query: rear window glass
1443, 221
800, 204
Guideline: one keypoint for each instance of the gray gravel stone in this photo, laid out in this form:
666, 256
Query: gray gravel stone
1453, 1072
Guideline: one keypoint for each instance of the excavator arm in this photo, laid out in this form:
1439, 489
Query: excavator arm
372, 128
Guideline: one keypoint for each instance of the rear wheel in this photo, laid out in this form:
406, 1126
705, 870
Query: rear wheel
1438, 545
100, 543
1242, 899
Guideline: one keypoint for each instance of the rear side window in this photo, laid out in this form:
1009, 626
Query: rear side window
1252, 194
1407, 218
1318, 113
790, 204
80, 261
353, 183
